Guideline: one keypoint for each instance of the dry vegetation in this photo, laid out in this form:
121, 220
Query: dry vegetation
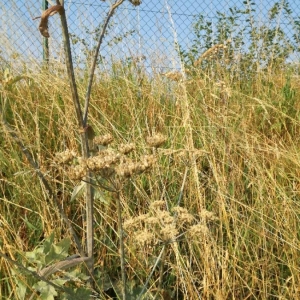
220, 206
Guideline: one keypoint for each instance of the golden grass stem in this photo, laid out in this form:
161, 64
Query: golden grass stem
51, 195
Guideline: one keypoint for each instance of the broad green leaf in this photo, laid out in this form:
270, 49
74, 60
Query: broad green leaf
58, 251
99, 195
21, 290
77, 274
47, 291
36, 257
48, 243
59, 281
78, 294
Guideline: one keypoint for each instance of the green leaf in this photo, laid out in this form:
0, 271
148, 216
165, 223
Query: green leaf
29, 225
59, 281
99, 195
36, 257
77, 294
64, 245
77, 274
58, 251
21, 290
48, 243
47, 291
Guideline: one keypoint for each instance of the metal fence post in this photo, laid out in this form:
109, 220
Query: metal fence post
45, 40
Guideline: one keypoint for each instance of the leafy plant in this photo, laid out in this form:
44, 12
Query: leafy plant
249, 46
47, 260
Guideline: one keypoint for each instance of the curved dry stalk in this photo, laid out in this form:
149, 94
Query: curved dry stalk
33, 273
68, 263
93, 67
43, 27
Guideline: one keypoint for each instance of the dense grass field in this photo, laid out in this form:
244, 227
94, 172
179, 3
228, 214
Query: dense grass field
215, 217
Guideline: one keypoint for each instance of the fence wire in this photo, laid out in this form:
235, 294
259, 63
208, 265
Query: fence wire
158, 32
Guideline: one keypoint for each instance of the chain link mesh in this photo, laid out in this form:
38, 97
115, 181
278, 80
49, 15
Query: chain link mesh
155, 31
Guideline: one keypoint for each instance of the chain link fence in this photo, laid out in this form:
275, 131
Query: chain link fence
157, 32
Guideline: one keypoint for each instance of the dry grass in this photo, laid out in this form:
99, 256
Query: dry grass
234, 231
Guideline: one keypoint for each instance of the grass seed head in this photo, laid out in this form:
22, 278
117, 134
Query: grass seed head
173, 75
183, 216
207, 215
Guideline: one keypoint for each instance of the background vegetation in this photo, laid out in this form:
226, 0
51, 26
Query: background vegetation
216, 217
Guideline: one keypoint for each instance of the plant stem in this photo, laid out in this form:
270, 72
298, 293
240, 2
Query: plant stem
84, 145
93, 67
122, 249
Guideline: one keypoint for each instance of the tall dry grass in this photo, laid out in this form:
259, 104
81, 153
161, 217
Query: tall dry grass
220, 208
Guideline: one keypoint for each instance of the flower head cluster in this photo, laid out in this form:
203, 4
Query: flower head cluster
156, 140
128, 167
103, 160
108, 161
65, 156
160, 224
103, 140
126, 148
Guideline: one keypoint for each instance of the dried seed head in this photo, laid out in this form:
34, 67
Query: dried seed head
158, 204
144, 237
105, 159
152, 221
135, 2
65, 156
213, 50
183, 215
126, 148
173, 75
156, 140
164, 217
129, 224
199, 231
135, 223
207, 215
103, 140
169, 232
77, 172
128, 168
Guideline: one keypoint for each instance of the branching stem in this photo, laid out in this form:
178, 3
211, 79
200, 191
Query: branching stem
93, 67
